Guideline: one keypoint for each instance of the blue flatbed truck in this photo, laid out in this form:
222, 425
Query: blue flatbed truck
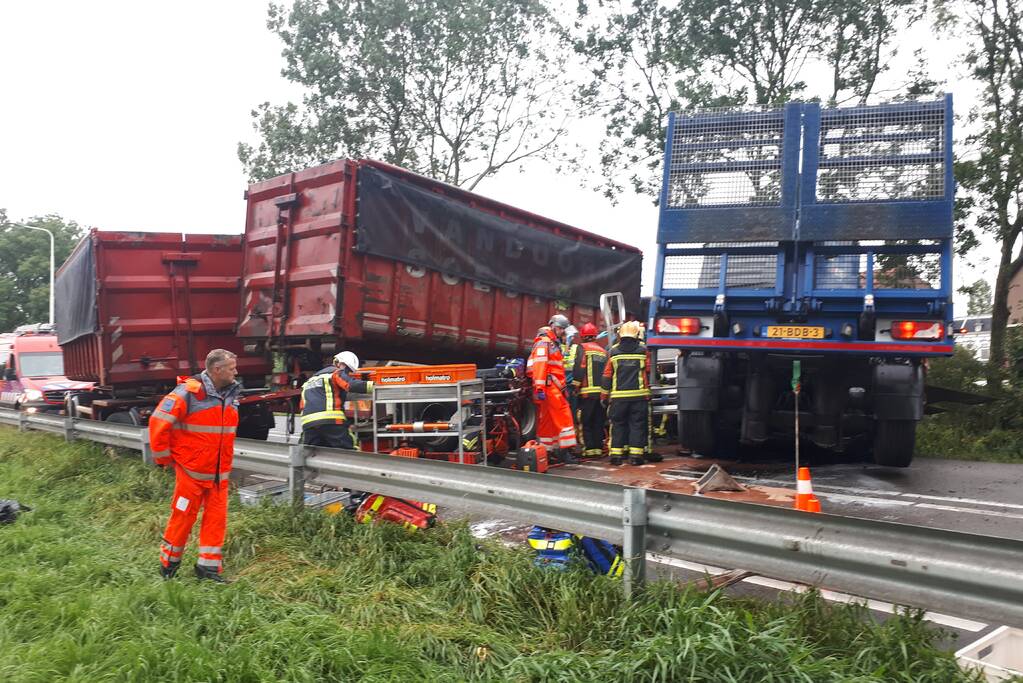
809, 234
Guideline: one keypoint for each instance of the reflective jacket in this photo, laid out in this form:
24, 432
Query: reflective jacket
194, 426
625, 375
589, 368
570, 354
546, 364
324, 395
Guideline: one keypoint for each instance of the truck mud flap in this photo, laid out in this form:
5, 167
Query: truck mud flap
699, 382
898, 392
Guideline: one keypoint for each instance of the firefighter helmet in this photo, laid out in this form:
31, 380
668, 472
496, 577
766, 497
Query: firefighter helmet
558, 320
347, 358
588, 330
629, 329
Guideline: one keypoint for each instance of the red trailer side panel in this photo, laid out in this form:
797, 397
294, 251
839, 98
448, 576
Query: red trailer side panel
305, 285
161, 302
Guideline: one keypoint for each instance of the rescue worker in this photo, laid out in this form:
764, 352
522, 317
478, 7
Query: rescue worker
588, 372
324, 422
625, 388
570, 351
193, 429
555, 427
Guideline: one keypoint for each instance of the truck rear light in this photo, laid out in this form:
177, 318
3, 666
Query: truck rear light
917, 330
689, 326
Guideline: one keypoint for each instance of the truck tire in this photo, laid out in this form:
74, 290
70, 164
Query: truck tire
894, 441
696, 431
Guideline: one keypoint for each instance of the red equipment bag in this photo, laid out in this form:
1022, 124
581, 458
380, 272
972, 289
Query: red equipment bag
409, 513
533, 457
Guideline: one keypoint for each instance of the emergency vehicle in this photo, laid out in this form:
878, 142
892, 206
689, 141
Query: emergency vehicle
32, 370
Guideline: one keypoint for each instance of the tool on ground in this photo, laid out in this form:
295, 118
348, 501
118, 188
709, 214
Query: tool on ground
797, 367
10, 509
716, 479
532, 458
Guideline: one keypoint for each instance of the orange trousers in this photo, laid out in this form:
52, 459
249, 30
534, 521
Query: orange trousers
190, 495
555, 427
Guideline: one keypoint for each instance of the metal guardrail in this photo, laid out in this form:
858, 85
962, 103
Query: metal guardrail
968, 575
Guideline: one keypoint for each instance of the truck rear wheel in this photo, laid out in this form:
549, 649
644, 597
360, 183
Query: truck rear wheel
894, 441
696, 431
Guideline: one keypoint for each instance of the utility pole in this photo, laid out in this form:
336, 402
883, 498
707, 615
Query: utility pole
32, 227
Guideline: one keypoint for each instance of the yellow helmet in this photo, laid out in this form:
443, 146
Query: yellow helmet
630, 329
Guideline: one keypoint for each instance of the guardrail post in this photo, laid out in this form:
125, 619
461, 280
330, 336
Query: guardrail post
22, 421
147, 448
296, 472
69, 428
634, 521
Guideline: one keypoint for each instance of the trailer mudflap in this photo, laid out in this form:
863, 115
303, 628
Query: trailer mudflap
898, 392
699, 382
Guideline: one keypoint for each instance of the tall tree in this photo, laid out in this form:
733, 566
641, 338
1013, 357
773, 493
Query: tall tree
649, 57
25, 266
990, 170
454, 89
979, 293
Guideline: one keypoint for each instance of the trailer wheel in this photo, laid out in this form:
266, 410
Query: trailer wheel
696, 431
894, 441
125, 417
527, 422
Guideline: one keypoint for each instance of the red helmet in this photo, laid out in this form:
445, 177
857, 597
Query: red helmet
588, 330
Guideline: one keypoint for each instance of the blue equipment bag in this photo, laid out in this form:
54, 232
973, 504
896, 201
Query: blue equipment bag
553, 548
603, 557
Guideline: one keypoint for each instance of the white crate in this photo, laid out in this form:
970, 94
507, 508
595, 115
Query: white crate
254, 493
999, 654
328, 500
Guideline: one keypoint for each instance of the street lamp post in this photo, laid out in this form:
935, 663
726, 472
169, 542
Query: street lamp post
32, 227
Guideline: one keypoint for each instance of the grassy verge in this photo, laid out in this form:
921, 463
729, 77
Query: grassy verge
959, 438
320, 598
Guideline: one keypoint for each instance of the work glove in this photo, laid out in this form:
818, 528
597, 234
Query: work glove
540, 395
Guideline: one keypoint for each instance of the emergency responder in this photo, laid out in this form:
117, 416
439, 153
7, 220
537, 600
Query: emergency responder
193, 428
570, 351
625, 387
324, 422
555, 427
588, 371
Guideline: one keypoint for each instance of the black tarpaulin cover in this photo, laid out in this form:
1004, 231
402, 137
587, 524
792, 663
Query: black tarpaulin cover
75, 300
408, 223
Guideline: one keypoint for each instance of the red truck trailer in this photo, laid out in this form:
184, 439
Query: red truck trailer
355, 255
135, 310
364, 256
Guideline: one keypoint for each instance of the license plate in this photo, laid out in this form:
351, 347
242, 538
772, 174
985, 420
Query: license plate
795, 332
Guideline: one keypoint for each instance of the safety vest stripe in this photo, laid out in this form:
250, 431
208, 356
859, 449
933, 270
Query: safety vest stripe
590, 391
211, 549
163, 415
204, 562
628, 356
629, 393
203, 476
205, 429
324, 415
161, 454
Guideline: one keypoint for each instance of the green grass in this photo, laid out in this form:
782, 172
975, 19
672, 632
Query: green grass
319, 598
959, 438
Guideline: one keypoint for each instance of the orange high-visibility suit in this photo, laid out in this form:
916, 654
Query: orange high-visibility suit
194, 428
555, 427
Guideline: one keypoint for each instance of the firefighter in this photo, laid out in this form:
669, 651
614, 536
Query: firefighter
193, 429
570, 351
324, 422
588, 371
625, 389
555, 427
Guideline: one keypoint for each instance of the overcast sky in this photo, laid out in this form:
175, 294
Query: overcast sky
126, 116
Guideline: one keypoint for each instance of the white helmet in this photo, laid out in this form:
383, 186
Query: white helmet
347, 358
571, 332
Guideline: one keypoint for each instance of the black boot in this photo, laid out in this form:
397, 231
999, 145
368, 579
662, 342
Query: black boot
636, 460
170, 570
616, 460
209, 574
653, 457
568, 457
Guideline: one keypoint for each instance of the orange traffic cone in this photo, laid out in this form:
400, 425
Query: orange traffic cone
804, 489
813, 505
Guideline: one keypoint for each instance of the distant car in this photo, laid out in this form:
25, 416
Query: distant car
32, 371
